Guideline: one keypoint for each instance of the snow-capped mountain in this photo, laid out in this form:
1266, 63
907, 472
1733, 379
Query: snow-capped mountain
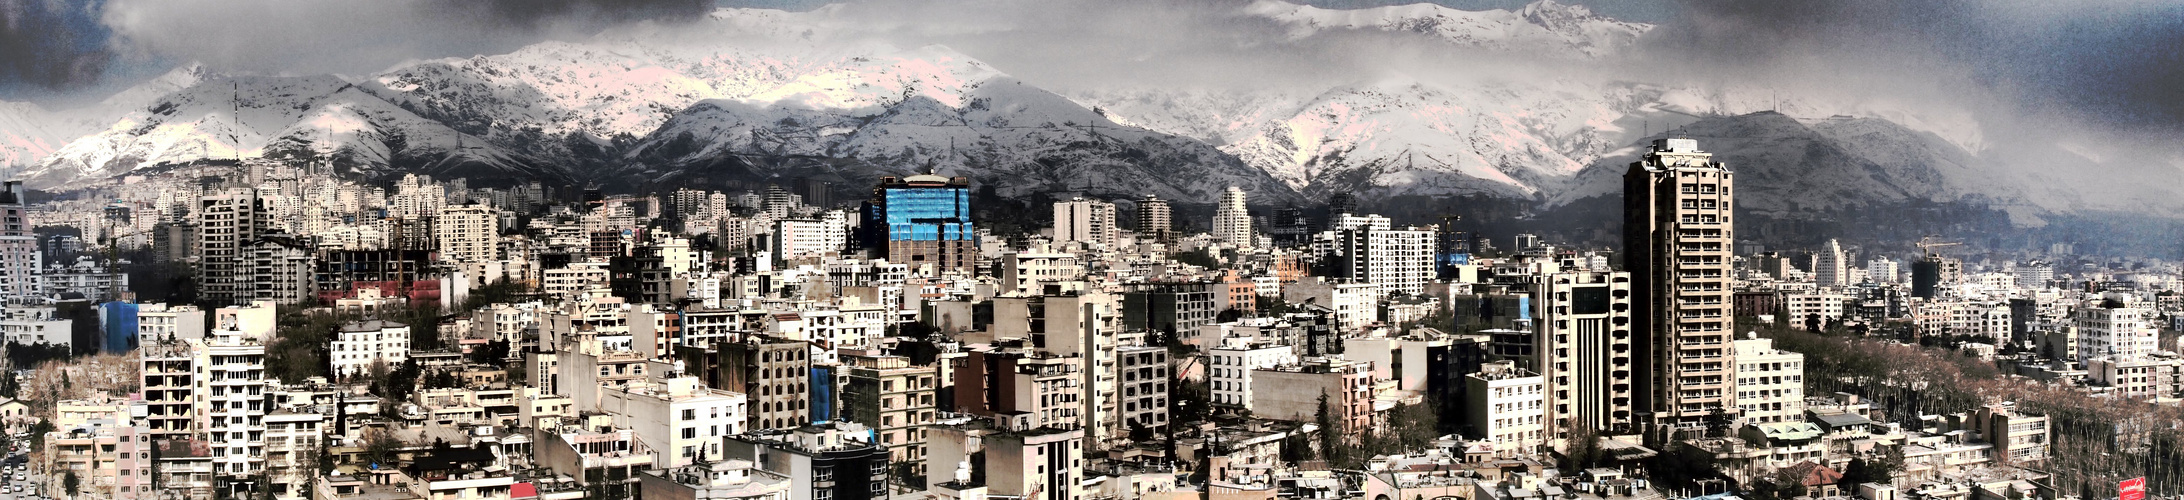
752, 94
1543, 26
996, 129
312, 118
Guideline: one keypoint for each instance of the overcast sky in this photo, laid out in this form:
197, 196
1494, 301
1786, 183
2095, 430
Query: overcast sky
2108, 61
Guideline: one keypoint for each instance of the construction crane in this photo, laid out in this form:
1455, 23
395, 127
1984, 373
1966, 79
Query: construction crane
1927, 245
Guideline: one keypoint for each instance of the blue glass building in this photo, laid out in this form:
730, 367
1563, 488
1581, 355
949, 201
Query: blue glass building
922, 220
118, 320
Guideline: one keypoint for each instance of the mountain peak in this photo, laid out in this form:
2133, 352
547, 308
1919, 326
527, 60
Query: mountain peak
1557, 29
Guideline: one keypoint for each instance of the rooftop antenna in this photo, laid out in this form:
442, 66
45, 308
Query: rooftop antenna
235, 119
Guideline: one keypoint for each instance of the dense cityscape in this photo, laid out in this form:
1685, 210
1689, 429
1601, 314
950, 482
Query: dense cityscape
270, 329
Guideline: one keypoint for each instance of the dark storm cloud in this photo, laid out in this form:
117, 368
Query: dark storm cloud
2113, 61
347, 37
50, 44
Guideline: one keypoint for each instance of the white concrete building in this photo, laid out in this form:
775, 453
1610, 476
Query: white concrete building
1232, 218
679, 417
34, 325
1507, 408
1027, 271
231, 367
1770, 383
2112, 327
2151, 375
163, 321
1883, 270
466, 233
806, 238
1229, 367
2035, 275
1392, 260
1802, 305
1354, 304
357, 345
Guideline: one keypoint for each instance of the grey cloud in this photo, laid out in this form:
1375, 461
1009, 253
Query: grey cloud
337, 36
49, 45
2110, 61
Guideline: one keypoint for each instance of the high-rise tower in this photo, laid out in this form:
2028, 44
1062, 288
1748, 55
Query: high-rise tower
1232, 219
1676, 238
1154, 218
1089, 221
19, 257
227, 221
1829, 267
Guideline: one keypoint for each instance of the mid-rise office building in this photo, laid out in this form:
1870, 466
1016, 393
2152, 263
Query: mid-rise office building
923, 221
775, 373
274, 267
1395, 261
835, 460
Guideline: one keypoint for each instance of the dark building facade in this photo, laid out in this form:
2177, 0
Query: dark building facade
1178, 308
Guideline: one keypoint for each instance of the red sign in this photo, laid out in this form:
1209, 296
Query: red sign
2132, 489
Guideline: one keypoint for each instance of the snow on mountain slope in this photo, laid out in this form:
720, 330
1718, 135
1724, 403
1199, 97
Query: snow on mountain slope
256, 117
1543, 26
752, 93
998, 130
26, 135
1789, 165
1415, 138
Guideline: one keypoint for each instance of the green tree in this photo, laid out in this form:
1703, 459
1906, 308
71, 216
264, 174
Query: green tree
1719, 422
1582, 450
1788, 482
380, 447
1332, 445
38, 433
71, 484
1139, 433
1199, 257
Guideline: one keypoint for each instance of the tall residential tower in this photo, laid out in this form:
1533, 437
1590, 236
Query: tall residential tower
1154, 218
1676, 239
1232, 220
